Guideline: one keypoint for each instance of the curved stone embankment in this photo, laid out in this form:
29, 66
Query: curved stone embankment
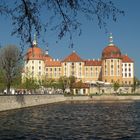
21, 101
103, 98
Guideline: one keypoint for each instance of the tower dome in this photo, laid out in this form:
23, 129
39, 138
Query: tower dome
34, 53
111, 51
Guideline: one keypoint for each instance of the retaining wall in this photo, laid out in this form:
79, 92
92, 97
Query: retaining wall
104, 98
20, 101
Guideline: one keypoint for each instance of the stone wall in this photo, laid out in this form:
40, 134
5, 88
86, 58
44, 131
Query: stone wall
20, 101
103, 98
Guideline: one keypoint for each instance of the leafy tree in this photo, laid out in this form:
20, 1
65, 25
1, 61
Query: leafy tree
116, 86
48, 82
63, 81
10, 64
135, 84
30, 84
62, 16
72, 80
2, 85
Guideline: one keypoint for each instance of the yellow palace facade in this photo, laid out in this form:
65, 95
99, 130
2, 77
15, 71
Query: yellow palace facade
112, 67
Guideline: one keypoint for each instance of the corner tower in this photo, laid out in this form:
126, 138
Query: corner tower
34, 62
111, 63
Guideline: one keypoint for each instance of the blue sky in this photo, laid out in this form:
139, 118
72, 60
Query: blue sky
126, 33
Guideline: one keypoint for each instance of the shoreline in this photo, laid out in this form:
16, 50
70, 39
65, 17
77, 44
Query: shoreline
21, 101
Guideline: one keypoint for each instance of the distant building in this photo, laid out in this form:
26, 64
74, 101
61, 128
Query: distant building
112, 67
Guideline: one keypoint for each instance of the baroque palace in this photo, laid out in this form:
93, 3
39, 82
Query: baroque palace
112, 67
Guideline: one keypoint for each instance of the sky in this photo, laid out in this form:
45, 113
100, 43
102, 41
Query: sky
92, 41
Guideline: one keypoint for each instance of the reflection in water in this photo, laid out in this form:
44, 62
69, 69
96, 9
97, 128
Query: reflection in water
82, 121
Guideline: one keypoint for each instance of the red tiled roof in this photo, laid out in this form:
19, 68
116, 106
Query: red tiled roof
111, 52
80, 85
126, 59
93, 62
53, 64
73, 57
48, 58
34, 53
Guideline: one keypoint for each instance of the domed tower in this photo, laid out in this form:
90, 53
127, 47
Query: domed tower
111, 63
34, 62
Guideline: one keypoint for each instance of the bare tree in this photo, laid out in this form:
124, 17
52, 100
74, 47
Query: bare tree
10, 64
62, 16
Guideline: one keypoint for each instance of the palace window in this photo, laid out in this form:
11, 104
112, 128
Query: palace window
125, 74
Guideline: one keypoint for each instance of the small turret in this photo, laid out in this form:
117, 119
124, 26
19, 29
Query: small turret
47, 50
111, 40
35, 40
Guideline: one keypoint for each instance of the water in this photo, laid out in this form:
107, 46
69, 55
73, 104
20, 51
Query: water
79, 121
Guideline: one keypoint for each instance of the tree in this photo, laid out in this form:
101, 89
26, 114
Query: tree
116, 86
135, 84
63, 82
1, 81
59, 15
72, 80
30, 84
10, 64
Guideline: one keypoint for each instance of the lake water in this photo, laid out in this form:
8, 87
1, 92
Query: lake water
78, 121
